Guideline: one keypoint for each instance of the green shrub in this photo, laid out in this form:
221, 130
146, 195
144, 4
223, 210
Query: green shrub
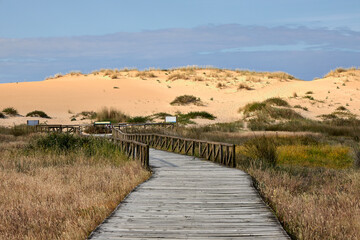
2, 115
186, 118
341, 108
262, 150
138, 119
10, 111
17, 130
252, 107
283, 113
186, 100
277, 101
160, 115
37, 113
97, 148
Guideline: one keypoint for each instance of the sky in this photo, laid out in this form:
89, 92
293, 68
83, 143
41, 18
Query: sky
305, 38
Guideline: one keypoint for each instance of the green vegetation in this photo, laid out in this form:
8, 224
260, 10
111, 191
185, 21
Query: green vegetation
37, 113
303, 108
186, 118
2, 115
277, 101
17, 130
341, 108
265, 111
139, 119
186, 100
10, 111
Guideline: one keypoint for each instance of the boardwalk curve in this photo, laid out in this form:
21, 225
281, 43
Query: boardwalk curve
188, 198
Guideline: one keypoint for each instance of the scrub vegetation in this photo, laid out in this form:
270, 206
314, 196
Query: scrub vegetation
60, 186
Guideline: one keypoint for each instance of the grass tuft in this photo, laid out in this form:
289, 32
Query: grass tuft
111, 114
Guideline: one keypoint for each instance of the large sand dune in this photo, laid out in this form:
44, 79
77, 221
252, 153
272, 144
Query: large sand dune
145, 93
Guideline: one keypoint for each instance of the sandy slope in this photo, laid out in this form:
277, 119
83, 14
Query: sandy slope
143, 95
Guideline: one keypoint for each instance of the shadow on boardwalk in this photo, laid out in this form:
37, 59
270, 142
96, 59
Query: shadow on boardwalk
188, 198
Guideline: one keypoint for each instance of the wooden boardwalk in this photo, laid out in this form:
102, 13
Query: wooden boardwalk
188, 198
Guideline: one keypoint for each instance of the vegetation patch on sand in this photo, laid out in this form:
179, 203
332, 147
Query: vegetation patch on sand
37, 113
61, 186
186, 100
111, 114
10, 111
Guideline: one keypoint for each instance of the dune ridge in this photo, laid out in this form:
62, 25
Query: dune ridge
140, 93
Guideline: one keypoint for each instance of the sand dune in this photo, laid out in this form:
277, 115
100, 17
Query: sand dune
144, 93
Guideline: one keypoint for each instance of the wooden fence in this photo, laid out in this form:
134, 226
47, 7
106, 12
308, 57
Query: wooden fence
58, 128
135, 150
221, 153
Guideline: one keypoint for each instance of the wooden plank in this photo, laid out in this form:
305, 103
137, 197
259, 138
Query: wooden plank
188, 198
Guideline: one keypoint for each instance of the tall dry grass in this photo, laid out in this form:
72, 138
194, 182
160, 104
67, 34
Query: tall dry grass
46, 194
313, 204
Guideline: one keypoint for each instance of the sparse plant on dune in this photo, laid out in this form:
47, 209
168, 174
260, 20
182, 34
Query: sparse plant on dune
277, 101
244, 86
186, 100
10, 111
177, 76
146, 74
37, 113
111, 114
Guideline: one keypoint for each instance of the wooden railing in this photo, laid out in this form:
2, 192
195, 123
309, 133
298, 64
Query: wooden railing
134, 149
58, 128
221, 153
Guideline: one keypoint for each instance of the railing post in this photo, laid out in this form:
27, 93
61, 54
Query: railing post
233, 156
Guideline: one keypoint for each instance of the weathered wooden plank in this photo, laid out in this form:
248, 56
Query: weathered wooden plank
188, 198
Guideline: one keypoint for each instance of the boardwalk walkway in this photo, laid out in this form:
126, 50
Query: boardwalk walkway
188, 198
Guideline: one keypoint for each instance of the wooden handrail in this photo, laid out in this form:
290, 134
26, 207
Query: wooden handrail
223, 153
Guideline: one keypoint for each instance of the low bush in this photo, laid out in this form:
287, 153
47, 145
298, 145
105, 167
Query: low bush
253, 107
261, 150
2, 115
10, 111
277, 101
186, 100
138, 119
186, 118
37, 113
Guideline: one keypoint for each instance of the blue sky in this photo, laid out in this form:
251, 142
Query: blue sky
305, 38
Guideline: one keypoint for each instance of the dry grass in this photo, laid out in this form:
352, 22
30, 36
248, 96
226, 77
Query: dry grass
111, 114
176, 76
48, 195
338, 72
313, 204
145, 74
244, 86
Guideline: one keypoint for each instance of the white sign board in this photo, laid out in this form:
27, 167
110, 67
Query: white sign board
170, 119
